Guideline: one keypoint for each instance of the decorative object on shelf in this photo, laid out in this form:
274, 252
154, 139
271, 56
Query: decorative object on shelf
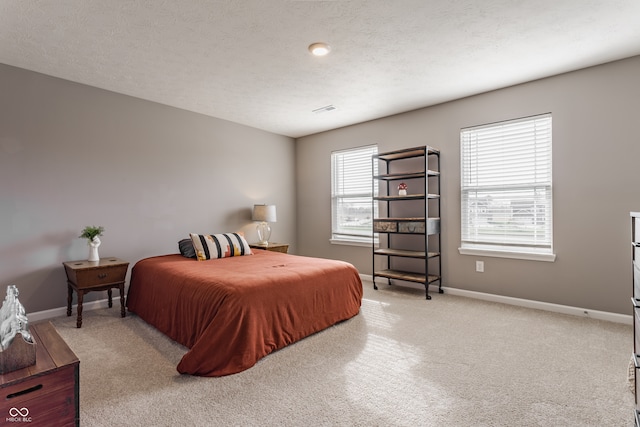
92, 233
402, 189
264, 214
15, 353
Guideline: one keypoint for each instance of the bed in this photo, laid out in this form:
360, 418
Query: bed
231, 312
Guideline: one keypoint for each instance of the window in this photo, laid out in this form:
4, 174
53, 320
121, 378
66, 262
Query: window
506, 189
351, 195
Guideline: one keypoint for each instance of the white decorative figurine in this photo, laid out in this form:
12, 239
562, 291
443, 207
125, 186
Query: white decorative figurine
13, 319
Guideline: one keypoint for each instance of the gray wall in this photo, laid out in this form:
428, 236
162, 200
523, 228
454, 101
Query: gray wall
73, 155
596, 148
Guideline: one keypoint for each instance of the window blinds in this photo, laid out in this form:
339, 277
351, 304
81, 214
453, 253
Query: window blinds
506, 185
351, 192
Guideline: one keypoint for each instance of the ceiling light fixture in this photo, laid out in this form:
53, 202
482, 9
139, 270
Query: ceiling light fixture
319, 49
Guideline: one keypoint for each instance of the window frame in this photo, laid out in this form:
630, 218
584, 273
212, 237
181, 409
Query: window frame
511, 245
338, 235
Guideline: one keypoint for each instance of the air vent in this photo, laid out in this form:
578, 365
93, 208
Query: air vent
324, 109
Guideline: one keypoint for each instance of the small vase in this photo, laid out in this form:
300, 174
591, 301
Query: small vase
402, 189
93, 249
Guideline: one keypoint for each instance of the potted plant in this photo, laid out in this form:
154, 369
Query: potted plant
92, 234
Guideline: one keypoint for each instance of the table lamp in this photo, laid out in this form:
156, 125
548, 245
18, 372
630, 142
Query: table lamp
264, 214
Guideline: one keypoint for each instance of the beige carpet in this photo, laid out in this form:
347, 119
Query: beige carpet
402, 361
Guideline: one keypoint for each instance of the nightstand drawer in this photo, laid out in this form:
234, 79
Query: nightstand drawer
85, 274
100, 276
280, 248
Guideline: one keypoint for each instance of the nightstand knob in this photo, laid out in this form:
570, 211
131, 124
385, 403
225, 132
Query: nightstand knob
102, 275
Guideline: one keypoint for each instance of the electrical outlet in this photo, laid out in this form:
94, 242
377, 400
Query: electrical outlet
480, 266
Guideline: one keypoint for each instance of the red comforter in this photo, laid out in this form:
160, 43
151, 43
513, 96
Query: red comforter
231, 312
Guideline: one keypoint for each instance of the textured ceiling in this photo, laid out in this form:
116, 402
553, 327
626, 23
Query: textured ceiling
247, 61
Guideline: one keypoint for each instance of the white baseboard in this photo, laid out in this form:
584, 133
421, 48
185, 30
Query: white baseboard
61, 311
538, 305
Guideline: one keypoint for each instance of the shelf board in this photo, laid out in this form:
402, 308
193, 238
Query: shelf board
410, 219
402, 154
397, 219
407, 197
404, 253
393, 176
400, 253
405, 175
407, 153
407, 276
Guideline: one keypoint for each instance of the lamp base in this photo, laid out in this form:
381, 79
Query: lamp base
264, 233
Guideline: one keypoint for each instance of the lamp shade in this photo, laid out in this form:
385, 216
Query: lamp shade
265, 213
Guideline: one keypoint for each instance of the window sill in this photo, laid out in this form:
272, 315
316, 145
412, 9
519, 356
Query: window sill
354, 242
530, 256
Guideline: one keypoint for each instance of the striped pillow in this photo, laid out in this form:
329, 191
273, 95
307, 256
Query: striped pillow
211, 246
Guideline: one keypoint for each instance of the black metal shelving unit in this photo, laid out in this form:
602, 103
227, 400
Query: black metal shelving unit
420, 166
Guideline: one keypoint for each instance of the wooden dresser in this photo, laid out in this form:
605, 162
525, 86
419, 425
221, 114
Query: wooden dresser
635, 300
47, 393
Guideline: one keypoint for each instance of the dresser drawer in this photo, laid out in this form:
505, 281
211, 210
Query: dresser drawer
636, 279
636, 380
51, 399
636, 328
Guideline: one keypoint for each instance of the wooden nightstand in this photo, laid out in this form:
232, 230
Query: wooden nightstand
273, 247
47, 393
87, 276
